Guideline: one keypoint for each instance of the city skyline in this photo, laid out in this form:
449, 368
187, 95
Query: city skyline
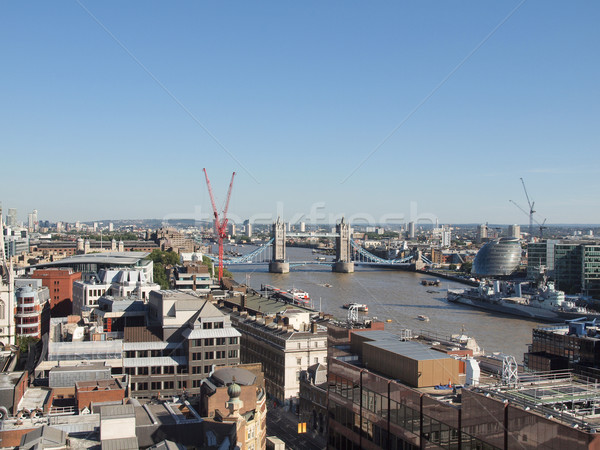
117, 108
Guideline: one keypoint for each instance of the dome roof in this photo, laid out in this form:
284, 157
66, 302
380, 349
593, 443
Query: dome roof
234, 390
497, 258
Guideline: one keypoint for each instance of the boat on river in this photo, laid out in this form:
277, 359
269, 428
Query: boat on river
545, 304
359, 306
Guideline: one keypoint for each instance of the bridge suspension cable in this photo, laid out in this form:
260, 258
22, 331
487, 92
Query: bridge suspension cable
367, 256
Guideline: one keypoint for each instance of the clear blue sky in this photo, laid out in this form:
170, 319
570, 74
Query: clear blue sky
300, 93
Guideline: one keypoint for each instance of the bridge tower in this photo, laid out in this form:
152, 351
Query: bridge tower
343, 260
278, 263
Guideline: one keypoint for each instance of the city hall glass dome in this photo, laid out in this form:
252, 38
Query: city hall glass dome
496, 258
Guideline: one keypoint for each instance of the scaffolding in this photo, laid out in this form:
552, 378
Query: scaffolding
558, 395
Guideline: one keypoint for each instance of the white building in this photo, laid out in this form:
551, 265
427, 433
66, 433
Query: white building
7, 293
445, 236
514, 231
118, 283
285, 348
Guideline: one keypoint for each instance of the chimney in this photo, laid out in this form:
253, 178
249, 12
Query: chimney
194, 285
242, 301
313, 327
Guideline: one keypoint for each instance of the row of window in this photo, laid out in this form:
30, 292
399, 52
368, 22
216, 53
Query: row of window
219, 354
210, 342
156, 370
212, 325
154, 353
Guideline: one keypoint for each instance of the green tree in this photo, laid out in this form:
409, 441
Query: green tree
160, 275
452, 267
466, 267
24, 341
162, 259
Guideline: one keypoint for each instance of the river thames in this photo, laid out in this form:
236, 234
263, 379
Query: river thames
393, 294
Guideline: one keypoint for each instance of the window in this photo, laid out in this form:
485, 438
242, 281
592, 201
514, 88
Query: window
316, 359
155, 370
209, 342
233, 340
207, 369
209, 355
142, 371
196, 383
181, 384
196, 369
299, 361
218, 325
197, 356
207, 325
221, 341
221, 354
156, 385
233, 353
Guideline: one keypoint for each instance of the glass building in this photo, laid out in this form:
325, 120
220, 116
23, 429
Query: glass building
497, 258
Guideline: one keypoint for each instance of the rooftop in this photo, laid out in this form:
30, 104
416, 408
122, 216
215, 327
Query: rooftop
408, 349
108, 258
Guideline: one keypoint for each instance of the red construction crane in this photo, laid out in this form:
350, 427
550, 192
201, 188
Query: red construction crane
220, 224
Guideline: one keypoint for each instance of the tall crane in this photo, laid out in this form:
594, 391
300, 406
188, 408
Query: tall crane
531, 210
541, 225
220, 224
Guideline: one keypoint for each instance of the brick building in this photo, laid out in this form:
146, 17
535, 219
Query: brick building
60, 284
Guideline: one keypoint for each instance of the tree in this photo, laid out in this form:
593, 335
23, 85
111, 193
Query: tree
165, 258
162, 259
466, 267
452, 267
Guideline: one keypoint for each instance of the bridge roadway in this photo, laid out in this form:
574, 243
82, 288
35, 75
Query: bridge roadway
387, 265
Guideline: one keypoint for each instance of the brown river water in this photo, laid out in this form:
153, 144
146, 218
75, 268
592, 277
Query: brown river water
396, 295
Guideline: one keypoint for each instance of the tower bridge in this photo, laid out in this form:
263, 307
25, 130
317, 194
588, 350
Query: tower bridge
348, 253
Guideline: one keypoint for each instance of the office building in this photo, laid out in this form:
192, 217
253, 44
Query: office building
445, 237
411, 230
497, 258
60, 287
7, 293
482, 233
373, 403
173, 240
514, 231
89, 265
32, 312
11, 218
286, 345
246, 383
115, 282
185, 339
575, 266
248, 228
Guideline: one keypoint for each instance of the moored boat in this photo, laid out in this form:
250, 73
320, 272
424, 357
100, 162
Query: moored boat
359, 306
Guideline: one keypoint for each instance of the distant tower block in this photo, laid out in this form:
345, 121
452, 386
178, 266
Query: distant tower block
278, 264
343, 261
411, 230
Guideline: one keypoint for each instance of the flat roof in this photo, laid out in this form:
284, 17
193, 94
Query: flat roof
81, 368
108, 258
117, 411
408, 349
